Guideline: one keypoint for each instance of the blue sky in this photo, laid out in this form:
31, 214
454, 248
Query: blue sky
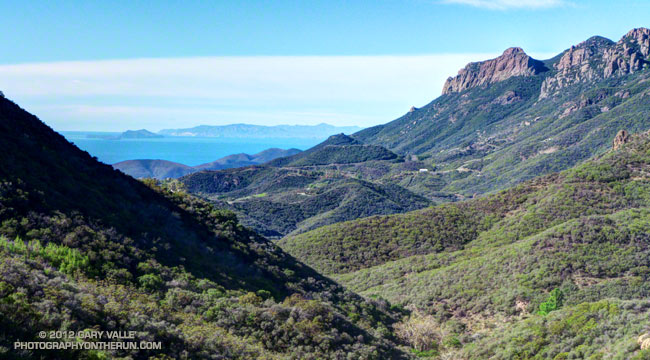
100, 65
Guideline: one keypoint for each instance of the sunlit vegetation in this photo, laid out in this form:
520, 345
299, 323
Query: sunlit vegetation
507, 143
302, 196
547, 263
65, 259
553, 267
554, 302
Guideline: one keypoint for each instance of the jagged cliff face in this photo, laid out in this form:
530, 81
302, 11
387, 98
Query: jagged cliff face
630, 54
513, 62
599, 58
595, 59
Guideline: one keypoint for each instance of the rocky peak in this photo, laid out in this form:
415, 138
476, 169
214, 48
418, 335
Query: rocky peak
513, 62
513, 51
630, 54
578, 55
639, 37
621, 138
599, 58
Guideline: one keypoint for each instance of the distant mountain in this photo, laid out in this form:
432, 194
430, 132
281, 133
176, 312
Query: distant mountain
512, 118
260, 132
499, 122
163, 169
337, 180
239, 160
129, 134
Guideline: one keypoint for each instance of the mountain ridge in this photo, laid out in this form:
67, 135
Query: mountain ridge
513, 62
261, 131
309, 189
487, 138
164, 169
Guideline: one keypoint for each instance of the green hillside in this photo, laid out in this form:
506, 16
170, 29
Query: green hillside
338, 180
83, 246
484, 138
499, 122
337, 149
482, 269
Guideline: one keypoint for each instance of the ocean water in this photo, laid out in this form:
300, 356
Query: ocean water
185, 150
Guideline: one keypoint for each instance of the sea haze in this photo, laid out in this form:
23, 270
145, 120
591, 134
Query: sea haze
185, 150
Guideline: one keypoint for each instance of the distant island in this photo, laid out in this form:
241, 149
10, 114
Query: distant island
129, 134
139, 134
261, 131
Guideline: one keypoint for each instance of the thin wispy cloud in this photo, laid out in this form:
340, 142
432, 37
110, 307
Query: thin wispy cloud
510, 4
181, 92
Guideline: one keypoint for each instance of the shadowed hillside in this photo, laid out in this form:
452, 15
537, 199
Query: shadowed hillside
84, 246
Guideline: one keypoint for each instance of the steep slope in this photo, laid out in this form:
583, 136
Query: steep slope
509, 119
481, 269
83, 246
163, 169
337, 180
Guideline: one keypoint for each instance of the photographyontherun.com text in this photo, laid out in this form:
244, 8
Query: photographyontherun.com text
73, 340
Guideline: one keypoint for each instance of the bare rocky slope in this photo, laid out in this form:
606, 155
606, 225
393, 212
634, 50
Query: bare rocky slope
513, 62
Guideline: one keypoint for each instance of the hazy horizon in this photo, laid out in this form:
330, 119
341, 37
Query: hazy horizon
350, 63
208, 125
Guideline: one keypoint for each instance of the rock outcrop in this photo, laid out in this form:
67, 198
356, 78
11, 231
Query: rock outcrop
577, 65
513, 62
594, 59
599, 58
621, 138
630, 53
644, 341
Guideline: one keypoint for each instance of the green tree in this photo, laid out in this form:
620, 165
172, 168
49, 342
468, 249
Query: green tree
553, 302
